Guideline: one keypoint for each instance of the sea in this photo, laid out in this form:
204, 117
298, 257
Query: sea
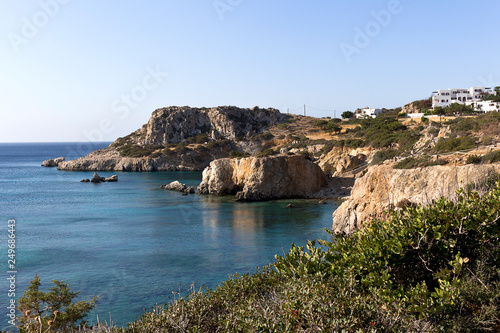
132, 243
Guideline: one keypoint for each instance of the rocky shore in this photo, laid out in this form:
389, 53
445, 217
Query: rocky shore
384, 188
254, 178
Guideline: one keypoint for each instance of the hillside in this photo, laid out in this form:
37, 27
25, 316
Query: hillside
184, 138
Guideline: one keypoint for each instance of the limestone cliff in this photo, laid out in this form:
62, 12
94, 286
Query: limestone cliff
263, 178
384, 187
175, 124
217, 130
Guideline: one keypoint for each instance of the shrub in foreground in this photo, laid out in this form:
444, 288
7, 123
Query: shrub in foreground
432, 269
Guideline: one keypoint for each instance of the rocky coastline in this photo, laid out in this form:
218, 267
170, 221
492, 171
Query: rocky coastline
384, 188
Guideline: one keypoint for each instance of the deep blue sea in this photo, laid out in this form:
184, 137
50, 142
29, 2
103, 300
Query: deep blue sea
132, 242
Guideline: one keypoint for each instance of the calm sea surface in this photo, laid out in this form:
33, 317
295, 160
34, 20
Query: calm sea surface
131, 242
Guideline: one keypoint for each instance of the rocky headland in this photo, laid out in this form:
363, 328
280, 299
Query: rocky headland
181, 138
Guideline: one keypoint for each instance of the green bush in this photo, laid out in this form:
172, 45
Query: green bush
418, 162
238, 154
473, 159
266, 152
51, 311
134, 150
432, 269
383, 155
455, 144
491, 157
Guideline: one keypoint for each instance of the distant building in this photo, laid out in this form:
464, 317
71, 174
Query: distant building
443, 98
368, 113
485, 106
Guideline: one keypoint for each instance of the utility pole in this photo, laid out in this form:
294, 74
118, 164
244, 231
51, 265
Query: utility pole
288, 111
304, 110
334, 113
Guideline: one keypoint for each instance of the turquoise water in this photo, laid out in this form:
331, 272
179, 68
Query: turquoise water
132, 242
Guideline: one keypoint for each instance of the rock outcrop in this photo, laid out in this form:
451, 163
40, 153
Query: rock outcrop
98, 179
173, 125
383, 188
339, 161
109, 159
53, 162
179, 187
263, 178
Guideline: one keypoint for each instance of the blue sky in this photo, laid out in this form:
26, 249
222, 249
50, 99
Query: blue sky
75, 70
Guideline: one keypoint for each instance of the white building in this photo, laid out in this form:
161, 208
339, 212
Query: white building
485, 106
368, 113
444, 98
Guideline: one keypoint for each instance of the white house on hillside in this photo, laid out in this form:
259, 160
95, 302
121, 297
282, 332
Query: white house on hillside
444, 98
485, 106
368, 113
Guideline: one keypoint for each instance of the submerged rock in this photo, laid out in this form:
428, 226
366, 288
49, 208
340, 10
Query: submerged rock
85, 181
53, 162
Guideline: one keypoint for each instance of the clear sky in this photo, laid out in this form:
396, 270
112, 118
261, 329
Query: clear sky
75, 70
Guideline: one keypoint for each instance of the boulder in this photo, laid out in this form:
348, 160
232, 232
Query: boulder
179, 187
97, 179
263, 178
53, 162
113, 178
85, 181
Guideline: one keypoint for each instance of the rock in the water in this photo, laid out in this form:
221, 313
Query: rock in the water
85, 181
113, 178
263, 178
97, 179
179, 187
53, 162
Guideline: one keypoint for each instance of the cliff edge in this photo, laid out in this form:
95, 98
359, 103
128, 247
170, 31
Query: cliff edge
384, 188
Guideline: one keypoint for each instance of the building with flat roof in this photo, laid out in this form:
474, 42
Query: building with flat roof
444, 98
368, 113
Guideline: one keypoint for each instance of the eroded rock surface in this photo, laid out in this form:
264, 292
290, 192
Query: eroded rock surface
263, 178
384, 187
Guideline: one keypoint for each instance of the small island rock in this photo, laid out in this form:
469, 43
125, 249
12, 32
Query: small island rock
113, 178
179, 187
97, 179
53, 162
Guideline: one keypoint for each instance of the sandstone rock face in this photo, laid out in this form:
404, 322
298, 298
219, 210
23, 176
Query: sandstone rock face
342, 160
384, 187
263, 178
179, 187
53, 162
